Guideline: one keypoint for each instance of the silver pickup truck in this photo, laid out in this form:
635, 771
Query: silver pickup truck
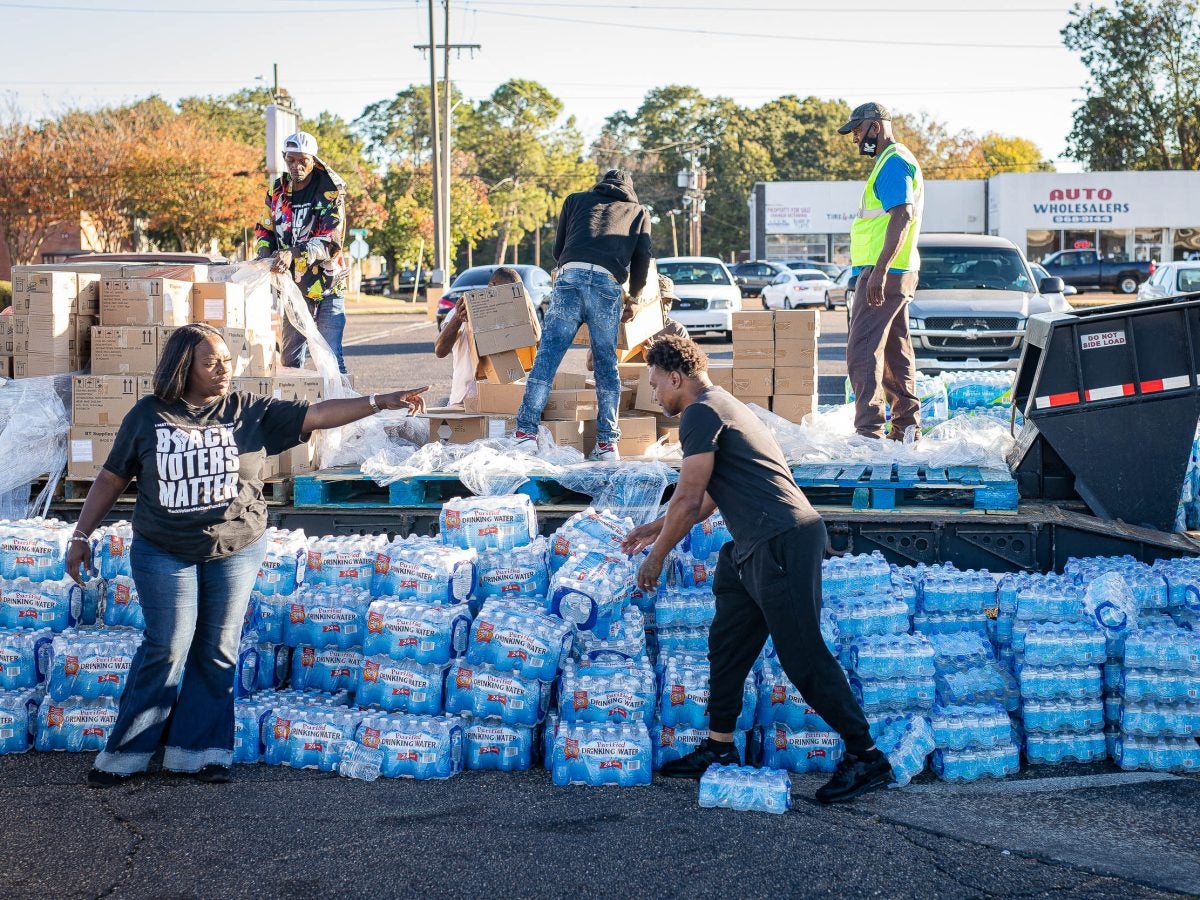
973, 298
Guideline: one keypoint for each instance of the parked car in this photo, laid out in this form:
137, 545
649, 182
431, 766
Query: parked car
1170, 279
706, 295
796, 288
973, 298
754, 275
833, 270
377, 284
537, 285
1090, 269
1039, 274
841, 290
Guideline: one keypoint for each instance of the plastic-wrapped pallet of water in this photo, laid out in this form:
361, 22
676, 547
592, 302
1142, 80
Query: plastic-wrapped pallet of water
416, 631
690, 607
420, 747
707, 537
343, 561
485, 693
521, 572
75, 724
801, 751
746, 789
506, 748
977, 389
91, 663
845, 576
592, 589
975, 763
683, 697
671, 742
488, 523
326, 669
510, 637
40, 604
607, 693
284, 564
307, 735
907, 742
24, 657
891, 656
691, 572
110, 549
122, 606
402, 686
248, 716
35, 549
588, 530
597, 755
424, 570
323, 616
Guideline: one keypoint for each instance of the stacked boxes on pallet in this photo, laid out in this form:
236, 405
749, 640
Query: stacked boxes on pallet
775, 360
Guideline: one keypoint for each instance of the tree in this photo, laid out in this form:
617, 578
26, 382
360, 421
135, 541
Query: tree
35, 193
241, 115
1142, 103
397, 130
344, 151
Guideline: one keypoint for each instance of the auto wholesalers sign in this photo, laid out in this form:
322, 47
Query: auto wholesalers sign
1081, 206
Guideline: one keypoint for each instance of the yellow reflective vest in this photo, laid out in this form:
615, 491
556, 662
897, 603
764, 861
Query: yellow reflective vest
868, 231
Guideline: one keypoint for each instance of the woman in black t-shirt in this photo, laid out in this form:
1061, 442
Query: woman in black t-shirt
197, 452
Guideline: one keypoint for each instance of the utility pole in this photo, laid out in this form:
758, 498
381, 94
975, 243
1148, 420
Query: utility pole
439, 265
446, 145
694, 181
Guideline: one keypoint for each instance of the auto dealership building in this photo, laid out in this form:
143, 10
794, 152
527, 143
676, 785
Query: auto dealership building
1142, 215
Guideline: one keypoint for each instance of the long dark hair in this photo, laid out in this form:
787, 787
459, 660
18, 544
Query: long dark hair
171, 376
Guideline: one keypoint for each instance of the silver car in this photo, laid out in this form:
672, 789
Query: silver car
1170, 279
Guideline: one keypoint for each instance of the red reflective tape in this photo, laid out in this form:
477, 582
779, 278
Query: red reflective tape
1056, 400
1153, 386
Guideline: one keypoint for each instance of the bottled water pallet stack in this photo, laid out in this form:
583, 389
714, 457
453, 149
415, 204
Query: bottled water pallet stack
966, 393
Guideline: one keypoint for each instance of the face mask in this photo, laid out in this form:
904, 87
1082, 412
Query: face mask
869, 145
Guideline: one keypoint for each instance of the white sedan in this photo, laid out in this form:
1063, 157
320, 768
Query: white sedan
1170, 279
796, 288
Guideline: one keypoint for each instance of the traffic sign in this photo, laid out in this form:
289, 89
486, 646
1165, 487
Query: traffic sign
359, 249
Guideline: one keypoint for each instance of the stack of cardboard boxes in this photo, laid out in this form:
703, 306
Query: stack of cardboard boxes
49, 330
775, 360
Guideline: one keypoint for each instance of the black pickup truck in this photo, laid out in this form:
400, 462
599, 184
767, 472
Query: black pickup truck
1088, 269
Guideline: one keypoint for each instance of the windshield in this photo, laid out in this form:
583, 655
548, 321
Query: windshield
973, 268
809, 276
477, 277
693, 272
1189, 280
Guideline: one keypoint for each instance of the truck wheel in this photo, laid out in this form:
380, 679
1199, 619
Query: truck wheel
1127, 284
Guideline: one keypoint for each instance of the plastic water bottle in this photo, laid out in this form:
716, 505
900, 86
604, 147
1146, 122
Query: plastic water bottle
597, 755
111, 546
248, 716
24, 657
326, 617
420, 747
91, 663
707, 537
746, 789
359, 762
588, 530
307, 735
327, 669
122, 607
53, 604
506, 748
343, 562
402, 686
485, 693
74, 724
907, 743
423, 570
892, 656
511, 638
671, 742
18, 719
801, 751
431, 635
488, 523
522, 572
285, 563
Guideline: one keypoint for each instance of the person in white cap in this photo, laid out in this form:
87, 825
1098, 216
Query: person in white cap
302, 231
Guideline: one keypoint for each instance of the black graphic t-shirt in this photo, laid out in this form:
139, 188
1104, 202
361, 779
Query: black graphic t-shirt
302, 213
199, 469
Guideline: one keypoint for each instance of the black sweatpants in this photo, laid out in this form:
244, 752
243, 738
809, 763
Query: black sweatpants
777, 591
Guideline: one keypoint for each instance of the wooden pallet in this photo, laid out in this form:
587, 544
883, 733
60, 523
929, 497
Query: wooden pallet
348, 488
894, 486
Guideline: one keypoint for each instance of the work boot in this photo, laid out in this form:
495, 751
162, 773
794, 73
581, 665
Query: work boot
214, 773
856, 775
98, 778
604, 451
696, 763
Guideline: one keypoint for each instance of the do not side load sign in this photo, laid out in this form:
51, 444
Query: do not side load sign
1102, 339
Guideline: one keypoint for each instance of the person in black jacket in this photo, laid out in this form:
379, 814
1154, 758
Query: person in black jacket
603, 239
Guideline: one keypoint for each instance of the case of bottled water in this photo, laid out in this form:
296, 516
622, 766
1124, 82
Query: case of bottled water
1051, 716
485, 693
270, 611
780, 703
1161, 754
690, 572
597, 755
307, 735
512, 638
248, 716
930, 624
688, 607
35, 549
979, 725
507, 748
326, 669
402, 686
746, 789
1063, 644
976, 762
847, 576
891, 656
898, 694
801, 751
1173, 650
976, 389
75, 724
421, 569
110, 549
960, 650
958, 593
420, 747
707, 537
591, 590
40, 604
24, 657
285, 563
682, 641
1152, 719
1151, 685
626, 638
907, 743
522, 572
274, 666
91, 602
343, 561
321, 616
18, 719
1053, 749
671, 742
1061, 682
1182, 577
588, 530
122, 607
863, 614
91, 663
683, 697
416, 631
1050, 598
488, 523
984, 684
598, 694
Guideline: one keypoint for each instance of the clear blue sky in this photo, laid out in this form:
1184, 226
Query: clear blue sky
977, 64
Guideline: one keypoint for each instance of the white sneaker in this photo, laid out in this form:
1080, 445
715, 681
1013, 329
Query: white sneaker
604, 452
524, 442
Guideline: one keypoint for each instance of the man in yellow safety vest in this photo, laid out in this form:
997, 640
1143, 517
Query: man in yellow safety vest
883, 253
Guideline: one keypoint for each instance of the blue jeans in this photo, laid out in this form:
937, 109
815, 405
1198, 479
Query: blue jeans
581, 296
182, 676
330, 316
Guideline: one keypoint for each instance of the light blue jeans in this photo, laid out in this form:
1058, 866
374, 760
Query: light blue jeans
182, 676
581, 296
330, 316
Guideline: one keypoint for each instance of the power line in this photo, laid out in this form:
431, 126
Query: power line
692, 8
42, 7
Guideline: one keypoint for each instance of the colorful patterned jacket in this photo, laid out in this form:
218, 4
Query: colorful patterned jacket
318, 261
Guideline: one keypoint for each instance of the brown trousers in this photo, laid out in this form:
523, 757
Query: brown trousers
879, 357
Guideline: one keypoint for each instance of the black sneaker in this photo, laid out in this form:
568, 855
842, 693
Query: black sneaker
214, 774
856, 775
697, 762
98, 778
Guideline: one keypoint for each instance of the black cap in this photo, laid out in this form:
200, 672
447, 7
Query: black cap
865, 113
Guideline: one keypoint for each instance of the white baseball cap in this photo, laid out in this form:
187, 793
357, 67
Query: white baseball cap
300, 142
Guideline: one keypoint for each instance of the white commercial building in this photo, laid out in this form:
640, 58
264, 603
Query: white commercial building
1141, 215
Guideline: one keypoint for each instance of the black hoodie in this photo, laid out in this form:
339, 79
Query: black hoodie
607, 227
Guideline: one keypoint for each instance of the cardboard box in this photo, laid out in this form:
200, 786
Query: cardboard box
570, 406
645, 395
47, 290
571, 434
670, 432
220, 304
501, 318
628, 395
793, 407
721, 374
752, 382
795, 354
259, 387
646, 323
757, 355
630, 373
263, 354
764, 402
300, 459
35, 365
6, 335
124, 350
796, 324
571, 381
294, 384
88, 447
106, 399
503, 368
452, 426
793, 381
270, 468
145, 301
189, 272
754, 325
503, 399
64, 338
637, 435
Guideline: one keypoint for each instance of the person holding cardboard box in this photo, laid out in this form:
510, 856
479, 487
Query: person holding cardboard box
302, 232
198, 451
603, 239
768, 578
